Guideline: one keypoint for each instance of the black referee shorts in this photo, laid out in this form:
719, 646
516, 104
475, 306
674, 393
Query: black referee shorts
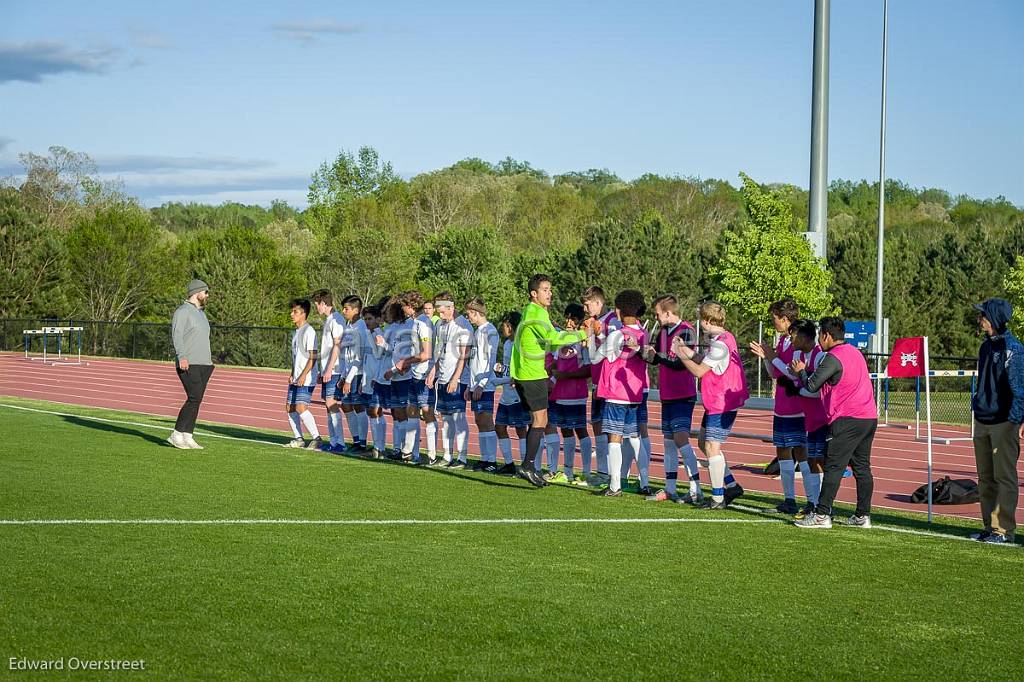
533, 394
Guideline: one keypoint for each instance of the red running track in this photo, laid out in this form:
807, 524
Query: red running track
255, 397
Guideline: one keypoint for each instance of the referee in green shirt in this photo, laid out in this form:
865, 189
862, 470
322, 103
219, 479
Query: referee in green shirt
535, 337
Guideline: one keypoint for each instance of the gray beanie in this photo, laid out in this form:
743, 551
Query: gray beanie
195, 286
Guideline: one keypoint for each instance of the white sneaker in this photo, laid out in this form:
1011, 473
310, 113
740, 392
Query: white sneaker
177, 439
296, 443
814, 521
191, 442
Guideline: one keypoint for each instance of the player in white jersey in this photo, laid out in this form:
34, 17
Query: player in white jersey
302, 378
376, 390
480, 392
450, 377
421, 399
400, 376
354, 346
510, 409
329, 359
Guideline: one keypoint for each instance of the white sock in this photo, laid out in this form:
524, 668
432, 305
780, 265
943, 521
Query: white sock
446, 434
692, 469
552, 445
628, 455
462, 436
432, 438
586, 448
812, 486
350, 419
787, 471
569, 454
601, 446
671, 465
489, 446
296, 423
411, 438
376, 424
506, 450
615, 466
643, 462
716, 468
310, 424
364, 423
332, 439
397, 434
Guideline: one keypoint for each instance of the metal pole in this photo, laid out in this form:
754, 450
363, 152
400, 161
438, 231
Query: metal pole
928, 420
760, 341
817, 222
881, 181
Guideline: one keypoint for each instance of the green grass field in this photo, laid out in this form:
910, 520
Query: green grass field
750, 598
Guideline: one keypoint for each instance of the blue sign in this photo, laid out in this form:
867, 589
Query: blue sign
859, 333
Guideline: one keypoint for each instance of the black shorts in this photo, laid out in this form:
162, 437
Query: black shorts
533, 394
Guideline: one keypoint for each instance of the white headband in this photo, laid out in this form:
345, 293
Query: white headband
451, 303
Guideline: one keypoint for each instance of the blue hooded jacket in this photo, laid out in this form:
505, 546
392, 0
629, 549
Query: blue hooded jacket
1000, 396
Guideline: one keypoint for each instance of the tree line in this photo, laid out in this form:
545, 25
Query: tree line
76, 247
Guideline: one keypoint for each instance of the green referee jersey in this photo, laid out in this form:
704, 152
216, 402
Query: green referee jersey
535, 336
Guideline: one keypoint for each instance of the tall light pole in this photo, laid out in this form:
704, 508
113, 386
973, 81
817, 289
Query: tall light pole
879, 340
817, 221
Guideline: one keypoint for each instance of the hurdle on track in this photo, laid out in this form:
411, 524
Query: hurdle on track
883, 379
47, 358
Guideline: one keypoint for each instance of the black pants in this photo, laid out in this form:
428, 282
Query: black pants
849, 443
194, 380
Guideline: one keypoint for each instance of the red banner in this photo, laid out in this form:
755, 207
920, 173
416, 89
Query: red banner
907, 359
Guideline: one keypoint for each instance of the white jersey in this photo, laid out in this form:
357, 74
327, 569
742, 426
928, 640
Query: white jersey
485, 356
509, 394
422, 332
453, 338
373, 360
354, 345
303, 348
333, 330
401, 348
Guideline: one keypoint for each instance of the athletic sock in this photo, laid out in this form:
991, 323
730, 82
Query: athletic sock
339, 427
601, 447
812, 486
310, 423
296, 424
350, 419
505, 444
692, 469
569, 454
331, 438
447, 431
489, 446
531, 446
538, 460
363, 424
411, 438
671, 465
615, 466
432, 438
643, 462
377, 427
716, 468
586, 448
552, 445
522, 447
787, 472
729, 480
397, 434
462, 436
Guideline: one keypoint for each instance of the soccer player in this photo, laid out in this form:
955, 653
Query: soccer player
788, 431
849, 403
481, 387
677, 390
723, 391
450, 376
376, 390
354, 346
329, 358
622, 382
510, 409
402, 348
536, 336
593, 301
303, 377
568, 411
421, 398
805, 340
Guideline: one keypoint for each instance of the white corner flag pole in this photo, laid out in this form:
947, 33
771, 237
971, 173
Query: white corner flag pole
928, 421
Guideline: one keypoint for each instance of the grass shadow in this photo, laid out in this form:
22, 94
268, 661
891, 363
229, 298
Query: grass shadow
115, 428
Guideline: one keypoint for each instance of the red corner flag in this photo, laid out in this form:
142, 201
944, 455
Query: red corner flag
907, 358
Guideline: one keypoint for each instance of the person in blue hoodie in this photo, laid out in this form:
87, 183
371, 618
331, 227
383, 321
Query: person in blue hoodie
998, 414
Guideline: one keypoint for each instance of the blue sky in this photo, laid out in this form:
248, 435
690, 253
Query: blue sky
242, 101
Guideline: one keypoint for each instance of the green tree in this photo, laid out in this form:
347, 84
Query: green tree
32, 260
470, 261
767, 260
1014, 284
350, 176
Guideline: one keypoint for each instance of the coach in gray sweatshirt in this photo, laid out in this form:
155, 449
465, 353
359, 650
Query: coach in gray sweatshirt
190, 332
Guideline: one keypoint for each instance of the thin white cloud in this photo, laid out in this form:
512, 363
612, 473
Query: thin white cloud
156, 163
307, 32
31, 62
